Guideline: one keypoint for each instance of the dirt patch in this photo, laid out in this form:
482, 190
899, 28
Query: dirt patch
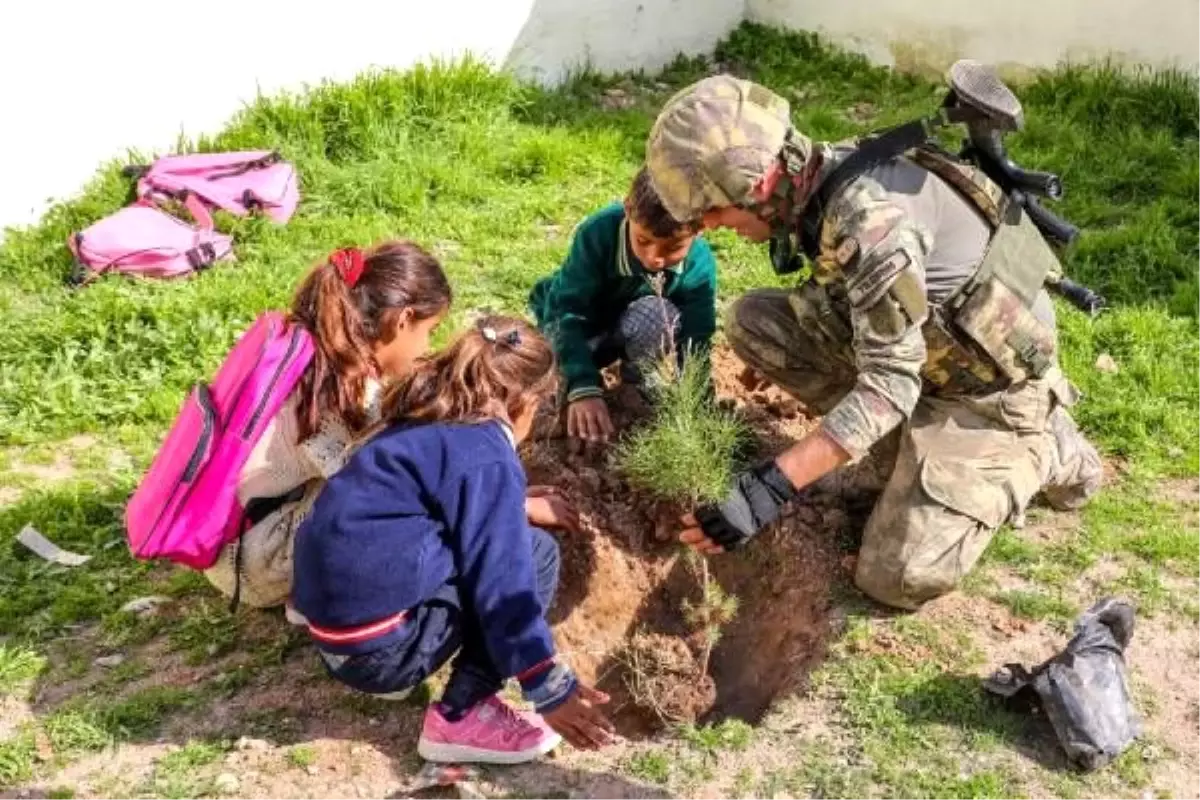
619, 614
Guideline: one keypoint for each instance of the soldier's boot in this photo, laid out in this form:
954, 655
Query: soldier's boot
1073, 468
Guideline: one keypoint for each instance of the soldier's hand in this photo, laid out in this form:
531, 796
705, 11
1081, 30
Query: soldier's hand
754, 501
588, 419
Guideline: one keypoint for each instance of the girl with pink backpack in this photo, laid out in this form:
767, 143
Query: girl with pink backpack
252, 448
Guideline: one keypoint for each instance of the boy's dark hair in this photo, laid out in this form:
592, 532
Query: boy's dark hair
347, 321
647, 209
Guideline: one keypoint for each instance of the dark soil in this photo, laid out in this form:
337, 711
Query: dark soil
618, 615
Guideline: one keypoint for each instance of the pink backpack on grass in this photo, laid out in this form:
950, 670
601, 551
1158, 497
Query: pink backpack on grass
186, 508
236, 182
145, 240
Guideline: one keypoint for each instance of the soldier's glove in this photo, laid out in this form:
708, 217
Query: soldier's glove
753, 503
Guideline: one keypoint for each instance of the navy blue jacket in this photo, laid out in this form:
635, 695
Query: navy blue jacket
414, 508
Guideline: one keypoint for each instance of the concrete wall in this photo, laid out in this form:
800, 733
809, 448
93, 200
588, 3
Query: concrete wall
81, 82
932, 34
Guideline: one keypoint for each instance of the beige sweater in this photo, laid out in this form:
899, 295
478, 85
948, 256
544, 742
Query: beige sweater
279, 464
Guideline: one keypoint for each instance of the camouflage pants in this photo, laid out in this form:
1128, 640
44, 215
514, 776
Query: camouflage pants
963, 466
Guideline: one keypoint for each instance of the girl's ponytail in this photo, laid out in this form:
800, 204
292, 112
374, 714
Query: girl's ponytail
349, 304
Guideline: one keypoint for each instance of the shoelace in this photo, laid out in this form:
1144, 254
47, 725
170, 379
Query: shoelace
512, 722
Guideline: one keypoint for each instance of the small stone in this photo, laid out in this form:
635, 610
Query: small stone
246, 743
662, 87
357, 751
372, 722
616, 99
144, 605
115, 660
227, 783
1106, 363
311, 769
213, 649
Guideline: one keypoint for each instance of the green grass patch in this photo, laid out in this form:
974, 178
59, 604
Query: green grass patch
182, 773
1037, 605
651, 766
19, 667
16, 757
302, 756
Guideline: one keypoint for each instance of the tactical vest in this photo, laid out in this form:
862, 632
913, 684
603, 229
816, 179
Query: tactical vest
985, 336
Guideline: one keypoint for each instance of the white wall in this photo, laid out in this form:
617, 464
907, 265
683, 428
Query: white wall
80, 82
932, 34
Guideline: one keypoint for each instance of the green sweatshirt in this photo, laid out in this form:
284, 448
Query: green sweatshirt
598, 280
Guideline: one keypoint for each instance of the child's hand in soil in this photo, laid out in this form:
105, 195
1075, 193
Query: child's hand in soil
579, 721
546, 508
588, 419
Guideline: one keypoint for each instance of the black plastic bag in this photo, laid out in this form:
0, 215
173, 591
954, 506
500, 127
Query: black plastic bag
1084, 690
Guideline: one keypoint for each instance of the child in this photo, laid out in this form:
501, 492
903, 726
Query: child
601, 304
370, 316
420, 546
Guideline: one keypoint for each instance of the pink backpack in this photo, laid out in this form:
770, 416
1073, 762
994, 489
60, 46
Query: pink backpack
236, 182
186, 507
142, 239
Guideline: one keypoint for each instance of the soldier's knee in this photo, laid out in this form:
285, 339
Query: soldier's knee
904, 585
647, 326
756, 323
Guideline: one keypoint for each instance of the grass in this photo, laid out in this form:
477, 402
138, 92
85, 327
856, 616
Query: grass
492, 175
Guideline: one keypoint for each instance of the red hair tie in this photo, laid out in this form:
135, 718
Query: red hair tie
349, 264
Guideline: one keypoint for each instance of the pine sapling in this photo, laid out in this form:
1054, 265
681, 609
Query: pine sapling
686, 454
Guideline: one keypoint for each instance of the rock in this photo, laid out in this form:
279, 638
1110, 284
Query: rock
227, 783
144, 605
115, 660
311, 769
616, 99
1106, 363
246, 743
357, 750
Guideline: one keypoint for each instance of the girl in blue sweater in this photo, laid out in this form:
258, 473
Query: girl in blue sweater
422, 546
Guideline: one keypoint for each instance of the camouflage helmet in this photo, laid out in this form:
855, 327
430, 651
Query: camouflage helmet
711, 143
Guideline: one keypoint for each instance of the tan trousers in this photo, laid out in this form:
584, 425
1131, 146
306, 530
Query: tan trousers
964, 466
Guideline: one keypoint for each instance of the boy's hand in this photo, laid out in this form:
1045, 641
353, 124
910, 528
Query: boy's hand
579, 722
588, 419
546, 508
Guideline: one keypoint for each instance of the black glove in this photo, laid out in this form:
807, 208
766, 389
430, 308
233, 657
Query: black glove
754, 502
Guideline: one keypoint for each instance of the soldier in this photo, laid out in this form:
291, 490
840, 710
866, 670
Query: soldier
874, 340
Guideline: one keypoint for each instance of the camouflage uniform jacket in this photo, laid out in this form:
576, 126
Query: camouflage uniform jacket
894, 242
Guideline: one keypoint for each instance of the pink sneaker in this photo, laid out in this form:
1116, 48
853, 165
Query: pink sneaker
490, 733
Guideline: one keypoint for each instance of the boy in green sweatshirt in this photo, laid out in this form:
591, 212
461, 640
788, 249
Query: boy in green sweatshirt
601, 304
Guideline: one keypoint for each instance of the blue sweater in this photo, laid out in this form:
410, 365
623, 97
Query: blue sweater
417, 507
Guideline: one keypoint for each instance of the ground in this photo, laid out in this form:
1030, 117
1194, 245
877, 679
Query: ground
818, 692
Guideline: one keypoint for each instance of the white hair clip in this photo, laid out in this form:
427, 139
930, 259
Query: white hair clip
488, 333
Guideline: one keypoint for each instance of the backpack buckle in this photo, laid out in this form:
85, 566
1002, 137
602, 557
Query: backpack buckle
201, 256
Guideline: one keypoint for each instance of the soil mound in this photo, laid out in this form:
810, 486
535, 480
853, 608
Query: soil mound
620, 614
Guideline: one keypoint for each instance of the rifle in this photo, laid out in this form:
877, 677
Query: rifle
980, 101
990, 110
